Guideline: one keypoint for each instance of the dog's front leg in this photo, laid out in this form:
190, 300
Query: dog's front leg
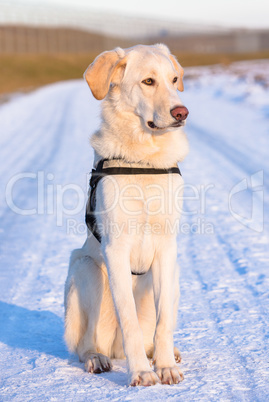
120, 278
164, 275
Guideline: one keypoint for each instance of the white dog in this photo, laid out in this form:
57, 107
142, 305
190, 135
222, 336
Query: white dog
122, 289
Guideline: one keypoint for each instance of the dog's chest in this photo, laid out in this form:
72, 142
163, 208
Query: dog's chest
137, 212
139, 204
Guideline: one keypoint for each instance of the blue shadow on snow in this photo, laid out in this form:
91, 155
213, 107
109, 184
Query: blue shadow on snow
31, 329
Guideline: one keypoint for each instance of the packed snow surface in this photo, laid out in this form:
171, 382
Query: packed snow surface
222, 329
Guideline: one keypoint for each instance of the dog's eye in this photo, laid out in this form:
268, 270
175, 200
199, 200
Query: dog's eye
174, 80
148, 81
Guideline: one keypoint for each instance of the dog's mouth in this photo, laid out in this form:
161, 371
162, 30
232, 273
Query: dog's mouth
152, 125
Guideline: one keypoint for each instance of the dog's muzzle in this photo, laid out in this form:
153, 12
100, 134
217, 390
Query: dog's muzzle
180, 113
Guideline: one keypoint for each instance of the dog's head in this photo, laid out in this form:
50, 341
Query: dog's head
142, 80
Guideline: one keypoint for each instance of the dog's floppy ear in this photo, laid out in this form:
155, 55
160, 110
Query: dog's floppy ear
180, 70
103, 70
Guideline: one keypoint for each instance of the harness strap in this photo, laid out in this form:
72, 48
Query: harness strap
121, 170
100, 172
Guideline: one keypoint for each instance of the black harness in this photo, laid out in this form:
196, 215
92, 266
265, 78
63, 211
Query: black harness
100, 172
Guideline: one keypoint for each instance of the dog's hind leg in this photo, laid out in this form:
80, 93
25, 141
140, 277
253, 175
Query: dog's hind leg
83, 297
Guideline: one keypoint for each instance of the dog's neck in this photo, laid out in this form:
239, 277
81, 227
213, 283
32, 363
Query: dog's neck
124, 138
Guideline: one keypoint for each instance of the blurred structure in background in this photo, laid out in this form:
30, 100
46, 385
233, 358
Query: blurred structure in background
46, 29
41, 44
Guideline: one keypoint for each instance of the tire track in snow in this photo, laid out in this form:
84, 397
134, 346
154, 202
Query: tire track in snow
234, 155
197, 253
211, 278
227, 229
42, 227
39, 141
223, 297
218, 156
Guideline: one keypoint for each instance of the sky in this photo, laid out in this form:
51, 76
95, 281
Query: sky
227, 13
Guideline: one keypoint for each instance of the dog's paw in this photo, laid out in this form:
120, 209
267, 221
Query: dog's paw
97, 363
144, 378
177, 355
170, 375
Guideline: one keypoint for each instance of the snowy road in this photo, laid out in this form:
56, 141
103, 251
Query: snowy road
223, 315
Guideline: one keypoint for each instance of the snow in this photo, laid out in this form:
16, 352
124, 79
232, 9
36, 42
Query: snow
222, 329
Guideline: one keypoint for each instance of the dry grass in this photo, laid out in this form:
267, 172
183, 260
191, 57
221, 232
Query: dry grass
26, 72
188, 59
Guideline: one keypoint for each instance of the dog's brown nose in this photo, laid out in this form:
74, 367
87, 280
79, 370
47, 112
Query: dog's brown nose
179, 113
